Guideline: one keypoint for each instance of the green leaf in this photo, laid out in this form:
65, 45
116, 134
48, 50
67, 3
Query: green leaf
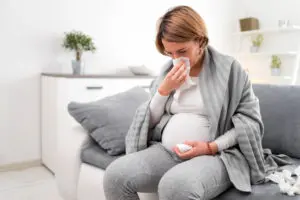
78, 41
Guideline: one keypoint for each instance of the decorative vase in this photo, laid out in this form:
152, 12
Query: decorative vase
254, 49
275, 71
283, 23
77, 67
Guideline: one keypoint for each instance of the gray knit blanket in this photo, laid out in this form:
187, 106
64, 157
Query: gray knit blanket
231, 103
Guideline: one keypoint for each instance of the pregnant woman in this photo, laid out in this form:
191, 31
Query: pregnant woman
203, 99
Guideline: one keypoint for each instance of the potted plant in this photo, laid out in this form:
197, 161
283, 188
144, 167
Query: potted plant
275, 65
78, 42
256, 43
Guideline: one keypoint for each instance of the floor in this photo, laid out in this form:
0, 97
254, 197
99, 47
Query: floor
31, 184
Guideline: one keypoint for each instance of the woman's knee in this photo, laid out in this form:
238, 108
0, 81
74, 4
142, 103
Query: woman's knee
178, 187
116, 174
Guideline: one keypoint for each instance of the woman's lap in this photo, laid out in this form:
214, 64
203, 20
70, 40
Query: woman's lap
142, 169
203, 177
154, 168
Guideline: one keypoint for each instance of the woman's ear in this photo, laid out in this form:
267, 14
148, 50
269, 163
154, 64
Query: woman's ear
198, 45
202, 42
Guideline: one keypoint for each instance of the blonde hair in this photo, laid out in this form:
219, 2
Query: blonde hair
181, 24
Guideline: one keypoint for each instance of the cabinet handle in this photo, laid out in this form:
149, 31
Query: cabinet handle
94, 87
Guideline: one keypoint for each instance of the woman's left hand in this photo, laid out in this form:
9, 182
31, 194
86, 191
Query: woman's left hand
198, 148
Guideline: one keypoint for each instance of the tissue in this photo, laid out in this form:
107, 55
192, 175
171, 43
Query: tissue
188, 82
287, 184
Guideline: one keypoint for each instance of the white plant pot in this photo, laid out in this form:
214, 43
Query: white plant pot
77, 67
254, 49
275, 71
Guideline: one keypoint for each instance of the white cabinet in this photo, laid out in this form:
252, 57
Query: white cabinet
58, 91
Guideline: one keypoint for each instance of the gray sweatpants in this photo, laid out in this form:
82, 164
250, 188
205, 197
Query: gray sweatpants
157, 170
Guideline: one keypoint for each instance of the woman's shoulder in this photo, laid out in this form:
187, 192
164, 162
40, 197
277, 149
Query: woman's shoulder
235, 69
219, 57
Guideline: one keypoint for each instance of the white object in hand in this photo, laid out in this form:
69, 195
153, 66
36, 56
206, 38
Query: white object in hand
188, 82
187, 65
183, 147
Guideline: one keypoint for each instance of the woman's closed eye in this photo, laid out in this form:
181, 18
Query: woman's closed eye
181, 52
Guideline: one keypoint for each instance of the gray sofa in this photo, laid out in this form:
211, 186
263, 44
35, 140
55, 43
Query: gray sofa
280, 108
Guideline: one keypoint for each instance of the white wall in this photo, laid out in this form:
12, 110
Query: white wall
30, 42
269, 12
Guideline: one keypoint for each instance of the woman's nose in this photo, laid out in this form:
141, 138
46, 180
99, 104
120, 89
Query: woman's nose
175, 56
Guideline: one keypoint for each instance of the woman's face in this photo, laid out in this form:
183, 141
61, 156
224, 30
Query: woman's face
185, 49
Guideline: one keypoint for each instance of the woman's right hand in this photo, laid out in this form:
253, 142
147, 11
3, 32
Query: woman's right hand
173, 80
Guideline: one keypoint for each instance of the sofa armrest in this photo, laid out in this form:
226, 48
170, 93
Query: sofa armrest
69, 145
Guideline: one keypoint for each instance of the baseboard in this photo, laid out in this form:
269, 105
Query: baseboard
20, 165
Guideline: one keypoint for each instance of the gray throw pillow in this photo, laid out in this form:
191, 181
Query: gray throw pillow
108, 120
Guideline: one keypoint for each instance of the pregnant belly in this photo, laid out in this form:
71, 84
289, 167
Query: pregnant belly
185, 126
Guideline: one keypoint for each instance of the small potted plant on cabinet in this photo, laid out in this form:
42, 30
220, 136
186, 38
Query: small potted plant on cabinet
78, 42
256, 43
275, 66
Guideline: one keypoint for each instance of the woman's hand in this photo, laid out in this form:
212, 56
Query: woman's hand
173, 80
198, 149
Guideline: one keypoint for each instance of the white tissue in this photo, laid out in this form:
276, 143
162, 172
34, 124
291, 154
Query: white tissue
297, 171
296, 187
275, 177
188, 82
287, 175
287, 184
284, 186
183, 147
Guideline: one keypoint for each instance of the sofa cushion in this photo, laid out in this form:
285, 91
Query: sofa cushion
93, 154
268, 191
108, 120
280, 110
